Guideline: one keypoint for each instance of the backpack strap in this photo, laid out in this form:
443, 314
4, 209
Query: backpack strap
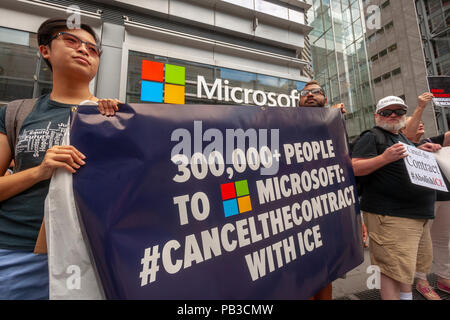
381, 140
16, 112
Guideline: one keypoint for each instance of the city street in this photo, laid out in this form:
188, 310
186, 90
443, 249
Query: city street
354, 286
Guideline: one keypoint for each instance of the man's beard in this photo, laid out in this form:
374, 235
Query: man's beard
394, 127
317, 104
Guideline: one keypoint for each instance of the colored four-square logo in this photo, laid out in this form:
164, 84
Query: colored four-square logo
162, 82
236, 198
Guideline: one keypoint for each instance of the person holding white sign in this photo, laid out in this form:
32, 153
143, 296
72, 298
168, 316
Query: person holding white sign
440, 228
396, 211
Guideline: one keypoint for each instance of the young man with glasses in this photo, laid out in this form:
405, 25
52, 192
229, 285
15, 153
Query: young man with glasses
73, 56
396, 211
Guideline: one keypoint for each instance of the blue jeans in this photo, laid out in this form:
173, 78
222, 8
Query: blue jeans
23, 275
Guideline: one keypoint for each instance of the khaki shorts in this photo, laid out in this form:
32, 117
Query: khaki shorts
399, 246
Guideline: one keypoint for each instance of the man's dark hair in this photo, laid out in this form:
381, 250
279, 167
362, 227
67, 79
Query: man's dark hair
52, 26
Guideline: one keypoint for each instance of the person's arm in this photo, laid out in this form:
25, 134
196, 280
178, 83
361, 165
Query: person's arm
413, 123
365, 166
67, 157
430, 147
340, 106
447, 139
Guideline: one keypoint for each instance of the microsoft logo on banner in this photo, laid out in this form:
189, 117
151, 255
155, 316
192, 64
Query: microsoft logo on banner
162, 82
236, 198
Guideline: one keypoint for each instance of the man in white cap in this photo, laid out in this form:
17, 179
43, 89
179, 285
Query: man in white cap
396, 211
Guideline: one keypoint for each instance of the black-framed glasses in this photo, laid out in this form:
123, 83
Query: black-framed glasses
304, 93
388, 113
72, 41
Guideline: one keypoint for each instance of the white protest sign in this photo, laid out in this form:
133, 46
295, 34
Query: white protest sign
423, 169
443, 159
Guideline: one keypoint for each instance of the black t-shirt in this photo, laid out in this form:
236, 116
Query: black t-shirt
438, 139
388, 190
440, 195
21, 216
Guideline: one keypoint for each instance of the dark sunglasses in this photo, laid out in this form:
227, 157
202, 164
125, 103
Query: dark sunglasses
388, 113
72, 41
304, 93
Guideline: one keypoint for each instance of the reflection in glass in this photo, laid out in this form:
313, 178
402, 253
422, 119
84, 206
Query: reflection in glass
18, 63
299, 85
12, 89
347, 81
357, 28
355, 10
268, 82
326, 19
238, 78
12, 36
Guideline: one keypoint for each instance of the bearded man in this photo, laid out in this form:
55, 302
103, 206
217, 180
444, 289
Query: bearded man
396, 211
313, 96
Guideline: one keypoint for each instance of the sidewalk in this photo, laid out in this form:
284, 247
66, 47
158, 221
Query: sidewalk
354, 282
354, 286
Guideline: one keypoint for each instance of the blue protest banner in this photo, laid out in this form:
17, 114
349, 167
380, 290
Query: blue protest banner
216, 202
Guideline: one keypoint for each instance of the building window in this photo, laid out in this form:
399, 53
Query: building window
386, 76
381, 31
396, 71
383, 53
374, 58
389, 25
377, 80
385, 4
22, 73
393, 47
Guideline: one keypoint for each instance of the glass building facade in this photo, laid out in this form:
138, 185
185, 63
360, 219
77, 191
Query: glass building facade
434, 23
23, 74
339, 59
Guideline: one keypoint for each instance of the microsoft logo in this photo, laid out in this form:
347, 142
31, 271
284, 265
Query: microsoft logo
236, 198
162, 82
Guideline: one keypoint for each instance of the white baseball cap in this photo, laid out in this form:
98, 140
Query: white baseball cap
389, 101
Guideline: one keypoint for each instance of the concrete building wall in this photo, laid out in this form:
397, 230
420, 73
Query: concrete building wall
399, 71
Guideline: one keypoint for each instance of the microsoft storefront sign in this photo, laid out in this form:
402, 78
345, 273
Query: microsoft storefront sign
222, 92
165, 83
